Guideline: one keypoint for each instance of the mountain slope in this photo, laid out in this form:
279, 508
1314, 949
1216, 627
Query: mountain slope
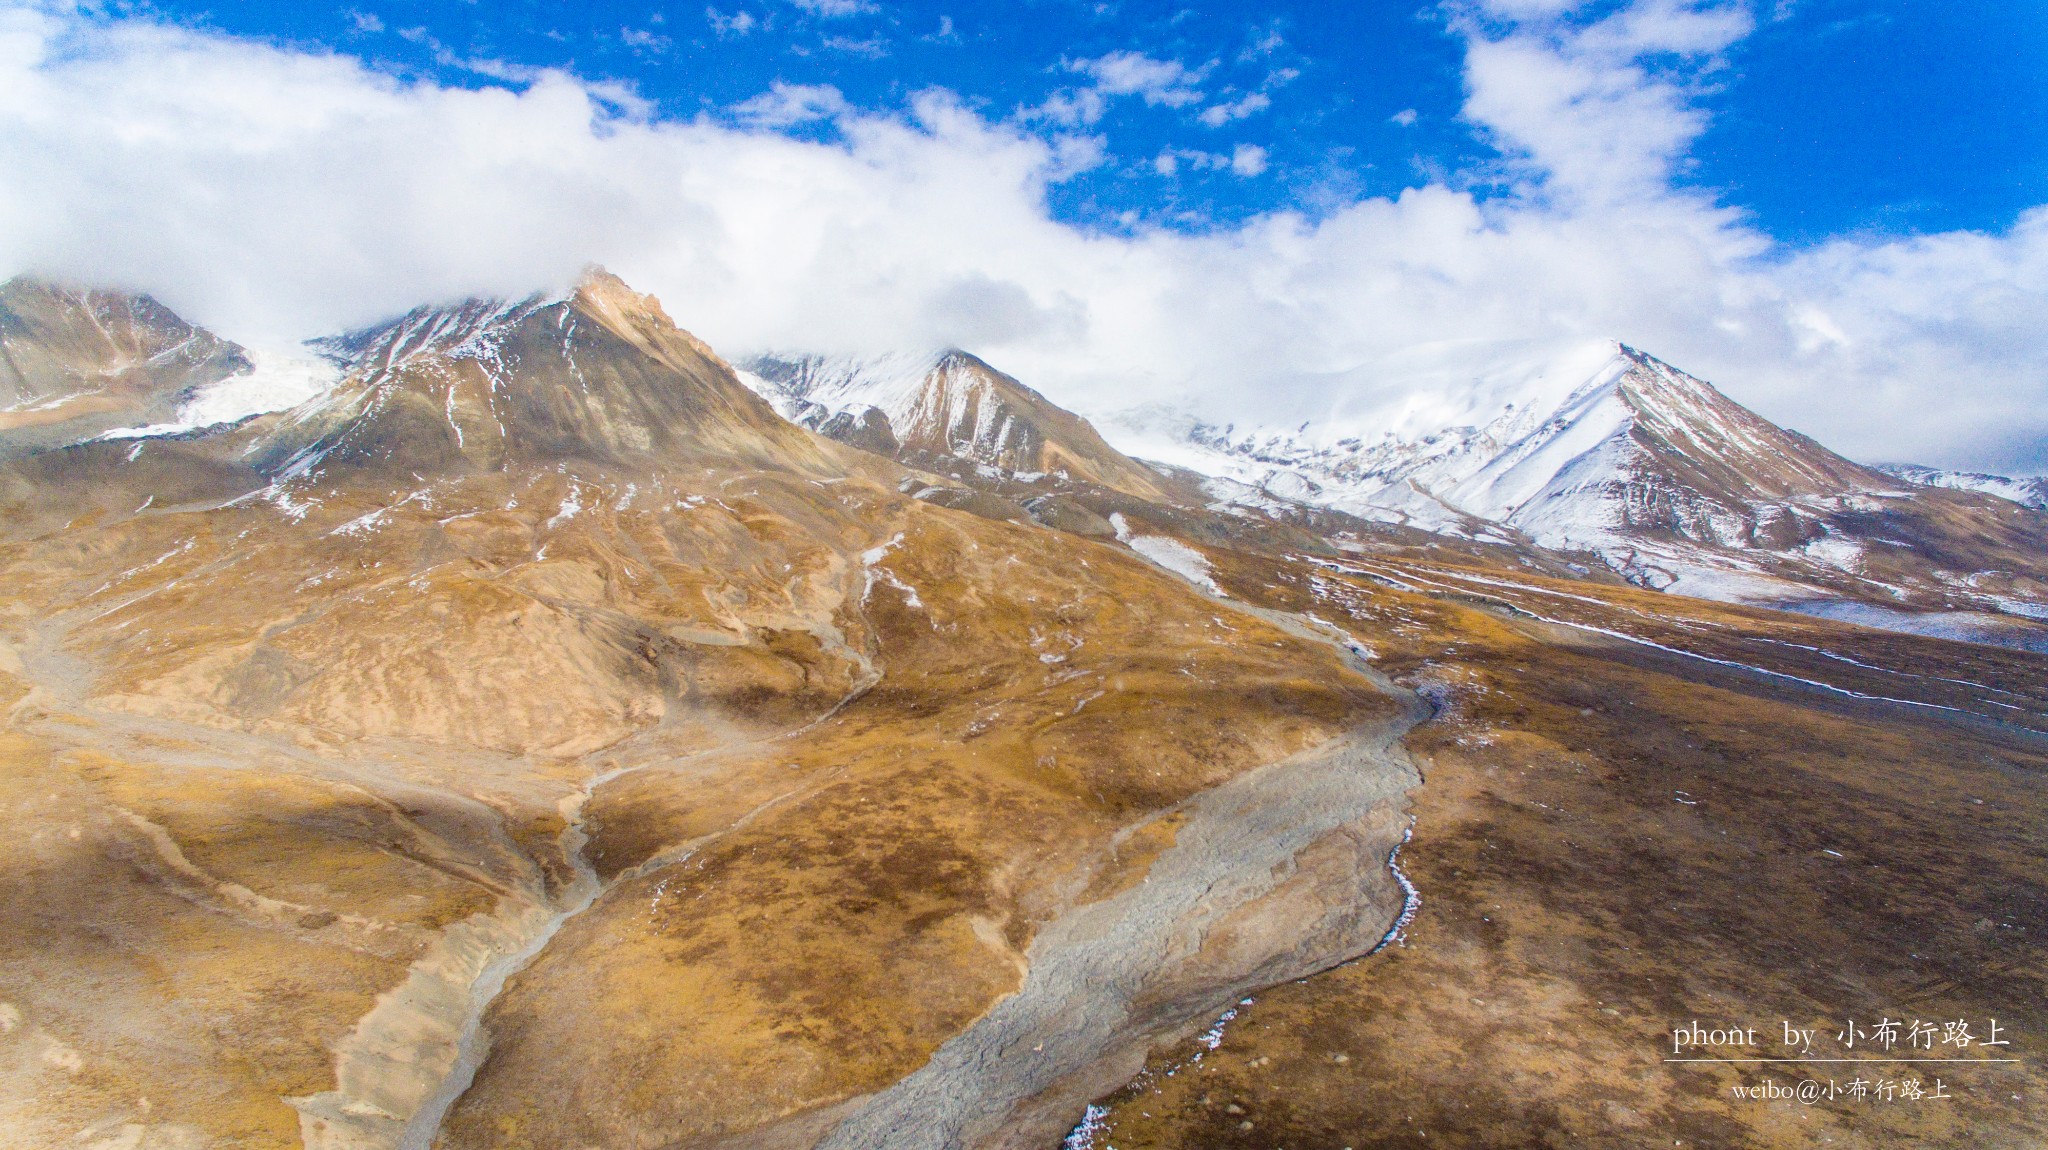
75, 363
535, 742
939, 404
1603, 449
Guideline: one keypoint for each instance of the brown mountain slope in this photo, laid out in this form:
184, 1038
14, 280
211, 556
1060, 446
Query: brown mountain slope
533, 748
601, 376
1643, 811
1697, 439
74, 363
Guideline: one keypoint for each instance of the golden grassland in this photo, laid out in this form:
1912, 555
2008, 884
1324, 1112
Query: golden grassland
885, 871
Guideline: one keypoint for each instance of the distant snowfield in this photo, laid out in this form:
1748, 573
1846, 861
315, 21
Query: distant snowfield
279, 381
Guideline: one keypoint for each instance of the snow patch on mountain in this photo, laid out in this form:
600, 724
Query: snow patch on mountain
1587, 446
276, 381
1450, 438
1170, 554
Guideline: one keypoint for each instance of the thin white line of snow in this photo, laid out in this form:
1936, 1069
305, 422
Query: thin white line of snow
870, 561
1746, 666
1826, 654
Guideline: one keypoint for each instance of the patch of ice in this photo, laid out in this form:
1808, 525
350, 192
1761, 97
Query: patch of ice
363, 524
1082, 1136
1411, 899
1834, 551
871, 559
874, 555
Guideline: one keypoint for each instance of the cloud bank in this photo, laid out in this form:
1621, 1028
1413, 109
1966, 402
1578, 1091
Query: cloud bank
272, 193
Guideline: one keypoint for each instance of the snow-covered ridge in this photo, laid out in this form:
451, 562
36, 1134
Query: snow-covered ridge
1448, 439
943, 401
1591, 448
471, 329
1584, 446
2028, 492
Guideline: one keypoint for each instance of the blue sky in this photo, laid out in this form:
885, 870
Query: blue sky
1833, 116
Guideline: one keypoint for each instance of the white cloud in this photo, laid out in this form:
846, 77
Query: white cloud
268, 193
739, 23
1070, 108
1217, 115
1405, 117
1161, 82
836, 9
643, 39
1579, 105
1246, 160
1264, 43
783, 105
872, 48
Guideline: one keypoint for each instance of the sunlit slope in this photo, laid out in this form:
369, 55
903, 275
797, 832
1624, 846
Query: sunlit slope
1642, 811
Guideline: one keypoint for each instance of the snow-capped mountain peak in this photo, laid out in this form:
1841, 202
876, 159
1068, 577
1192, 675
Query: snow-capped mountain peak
942, 403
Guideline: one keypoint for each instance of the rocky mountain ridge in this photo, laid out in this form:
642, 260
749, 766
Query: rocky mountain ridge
1596, 450
599, 374
533, 740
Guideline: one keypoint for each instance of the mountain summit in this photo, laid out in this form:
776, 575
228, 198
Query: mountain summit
600, 374
944, 403
533, 740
